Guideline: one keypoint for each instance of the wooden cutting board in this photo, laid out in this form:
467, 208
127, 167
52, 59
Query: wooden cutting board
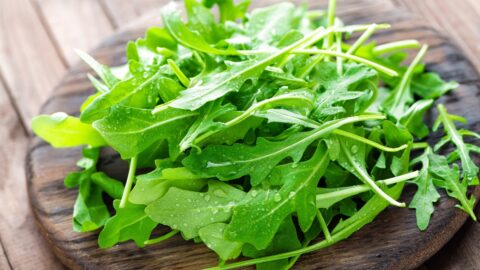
392, 241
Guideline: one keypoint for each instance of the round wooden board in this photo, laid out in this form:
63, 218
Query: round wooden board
392, 241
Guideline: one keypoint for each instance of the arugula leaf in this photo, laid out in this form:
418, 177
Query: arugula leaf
413, 118
469, 169
103, 71
129, 222
189, 211
61, 130
231, 162
267, 208
450, 181
90, 211
150, 187
131, 130
213, 236
183, 35
286, 239
426, 194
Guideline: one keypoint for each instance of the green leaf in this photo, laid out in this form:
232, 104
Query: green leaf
150, 187
103, 71
217, 84
189, 211
111, 186
101, 106
449, 179
206, 122
213, 236
285, 240
429, 85
469, 169
192, 39
413, 118
128, 223
231, 162
130, 130
89, 211
269, 24
267, 208
61, 130
426, 194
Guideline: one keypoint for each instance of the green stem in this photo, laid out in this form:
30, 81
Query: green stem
369, 142
396, 46
407, 77
420, 145
324, 226
354, 190
365, 177
178, 72
354, 58
339, 50
129, 183
361, 40
161, 238
332, 6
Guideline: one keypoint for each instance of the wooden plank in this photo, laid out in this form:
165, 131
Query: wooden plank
22, 243
123, 12
75, 24
461, 252
30, 64
456, 19
4, 263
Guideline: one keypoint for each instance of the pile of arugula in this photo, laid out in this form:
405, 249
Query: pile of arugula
261, 132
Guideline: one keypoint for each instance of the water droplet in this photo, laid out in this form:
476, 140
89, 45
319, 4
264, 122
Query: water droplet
214, 211
277, 197
294, 165
207, 197
177, 205
292, 194
174, 226
254, 193
354, 149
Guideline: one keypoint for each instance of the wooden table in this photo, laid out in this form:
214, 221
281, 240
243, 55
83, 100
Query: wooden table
37, 38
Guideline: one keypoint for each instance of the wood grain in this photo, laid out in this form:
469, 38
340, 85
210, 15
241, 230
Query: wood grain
24, 246
459, 20
70, 19
391, 242
124, 12
29, 73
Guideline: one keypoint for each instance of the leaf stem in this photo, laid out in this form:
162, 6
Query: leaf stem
324, 226
178, 72
420, 145
361, 40
357, 189
366, 178
396, 46
338, 38
369, 142
161, 238
332, 6
354, 58
407, 78
129, 183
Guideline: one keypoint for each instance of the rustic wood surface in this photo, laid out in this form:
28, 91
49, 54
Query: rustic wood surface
37, 38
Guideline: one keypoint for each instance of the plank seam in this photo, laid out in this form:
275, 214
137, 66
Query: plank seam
5, 254
48, 31
108, 13
14, 104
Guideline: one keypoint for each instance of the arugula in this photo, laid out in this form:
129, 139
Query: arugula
262, 135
